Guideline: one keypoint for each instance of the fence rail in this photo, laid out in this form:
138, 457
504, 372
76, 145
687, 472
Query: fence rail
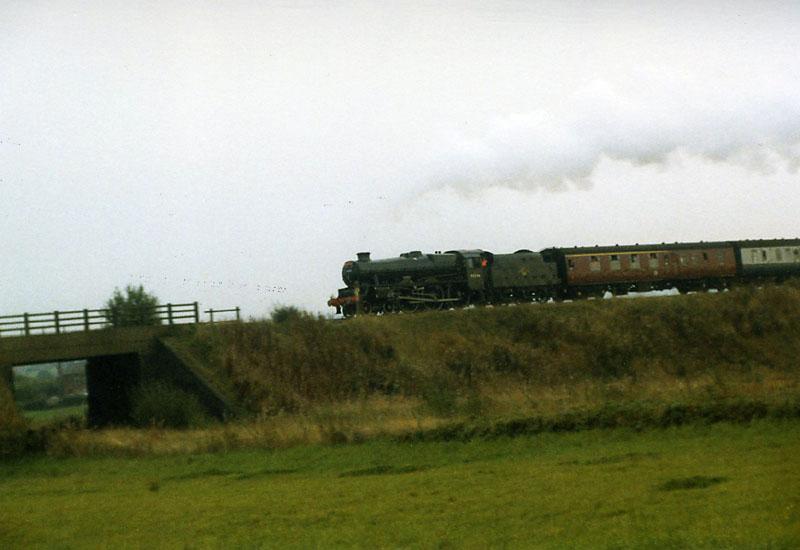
211, 313
25, 324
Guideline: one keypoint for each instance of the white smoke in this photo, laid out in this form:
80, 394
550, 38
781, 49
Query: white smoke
559, 146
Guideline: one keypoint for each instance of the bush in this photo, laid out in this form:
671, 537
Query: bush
159, 403
28, 389
285, 314
13, 429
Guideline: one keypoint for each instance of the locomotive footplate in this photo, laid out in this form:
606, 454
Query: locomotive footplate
422, 299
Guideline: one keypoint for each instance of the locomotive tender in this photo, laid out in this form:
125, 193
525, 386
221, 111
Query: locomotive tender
416, 281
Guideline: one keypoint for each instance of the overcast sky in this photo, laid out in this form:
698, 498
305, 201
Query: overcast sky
237, 153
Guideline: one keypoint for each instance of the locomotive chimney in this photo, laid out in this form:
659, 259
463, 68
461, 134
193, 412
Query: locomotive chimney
363, 256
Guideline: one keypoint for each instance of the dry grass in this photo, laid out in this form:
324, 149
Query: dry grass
341, 423
308, 380
393, 417
744, 342
506, 400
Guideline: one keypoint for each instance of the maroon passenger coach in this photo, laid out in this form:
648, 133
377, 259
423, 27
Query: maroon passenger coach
591, 271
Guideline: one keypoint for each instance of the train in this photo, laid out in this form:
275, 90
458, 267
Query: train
456, 278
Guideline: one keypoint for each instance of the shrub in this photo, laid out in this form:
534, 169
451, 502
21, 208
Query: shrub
159, 403
285, 314
13, 428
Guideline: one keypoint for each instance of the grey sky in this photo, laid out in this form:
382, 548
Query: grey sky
238, 153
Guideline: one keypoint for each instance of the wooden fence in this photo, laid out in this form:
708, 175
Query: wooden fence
88, 319
211, 313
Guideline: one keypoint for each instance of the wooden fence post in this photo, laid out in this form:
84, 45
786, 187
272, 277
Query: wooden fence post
58, 328
27, 325
211, 315
169, 313
196, 313
237, 313
86, 319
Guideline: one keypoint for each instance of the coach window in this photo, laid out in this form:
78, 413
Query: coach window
615, 266
683, 259
594, 263
571, 264
779, 254
754, 256
720, 256
635, 261
653, 260
666, 259
763, 255
797, 254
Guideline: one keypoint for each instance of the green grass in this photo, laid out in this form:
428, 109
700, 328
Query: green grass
45, 416
712, 486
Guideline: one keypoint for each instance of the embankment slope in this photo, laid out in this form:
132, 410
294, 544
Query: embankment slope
511, 361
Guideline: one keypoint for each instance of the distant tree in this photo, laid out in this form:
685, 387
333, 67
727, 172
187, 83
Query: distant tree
133, 307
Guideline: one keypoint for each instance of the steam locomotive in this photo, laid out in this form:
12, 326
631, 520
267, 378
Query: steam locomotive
415, 281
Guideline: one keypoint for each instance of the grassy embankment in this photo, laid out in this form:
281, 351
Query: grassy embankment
640, 362
511, 361
646, 361
699, 486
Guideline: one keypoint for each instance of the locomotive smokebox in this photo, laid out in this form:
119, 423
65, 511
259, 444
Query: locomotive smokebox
363, 256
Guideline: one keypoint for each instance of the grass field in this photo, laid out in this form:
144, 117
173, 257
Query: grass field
699, 485
44, 416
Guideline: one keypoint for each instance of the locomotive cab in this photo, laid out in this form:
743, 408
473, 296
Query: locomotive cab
476, 265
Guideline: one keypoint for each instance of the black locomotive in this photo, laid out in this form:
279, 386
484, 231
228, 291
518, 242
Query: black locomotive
416, 281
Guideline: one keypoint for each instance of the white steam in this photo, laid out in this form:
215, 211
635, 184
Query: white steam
556, 147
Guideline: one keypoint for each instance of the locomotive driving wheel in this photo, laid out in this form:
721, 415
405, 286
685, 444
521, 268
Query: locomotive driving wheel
411, 305
441, 295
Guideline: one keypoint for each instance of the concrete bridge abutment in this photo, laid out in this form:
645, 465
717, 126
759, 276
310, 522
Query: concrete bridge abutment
7, 375
111, 381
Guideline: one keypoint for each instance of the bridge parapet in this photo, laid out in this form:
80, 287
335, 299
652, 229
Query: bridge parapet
49, 348
84, 320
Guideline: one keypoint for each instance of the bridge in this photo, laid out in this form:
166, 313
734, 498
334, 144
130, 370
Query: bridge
122, 350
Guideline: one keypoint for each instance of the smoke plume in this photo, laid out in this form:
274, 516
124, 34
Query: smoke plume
559, 146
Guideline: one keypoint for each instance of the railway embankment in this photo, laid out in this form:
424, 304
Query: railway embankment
744, 343
646, 361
